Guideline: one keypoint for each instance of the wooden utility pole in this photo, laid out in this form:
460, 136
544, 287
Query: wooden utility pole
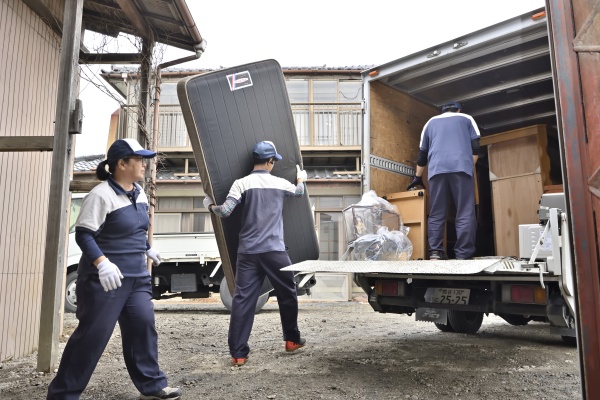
145, 71
58, 203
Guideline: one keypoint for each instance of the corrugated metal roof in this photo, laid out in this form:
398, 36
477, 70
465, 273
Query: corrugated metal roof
170, 20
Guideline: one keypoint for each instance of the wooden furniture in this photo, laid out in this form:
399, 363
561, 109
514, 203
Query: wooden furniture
519, 170
413, 211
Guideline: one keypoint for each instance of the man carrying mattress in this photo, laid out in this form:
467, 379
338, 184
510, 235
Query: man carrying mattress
261, 250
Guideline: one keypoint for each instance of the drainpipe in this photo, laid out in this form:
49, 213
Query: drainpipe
200, 47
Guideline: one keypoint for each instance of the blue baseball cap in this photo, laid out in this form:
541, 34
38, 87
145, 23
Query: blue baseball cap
451, 105
124, 148
264, 150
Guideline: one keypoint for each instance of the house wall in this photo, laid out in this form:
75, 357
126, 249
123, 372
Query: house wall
29, 62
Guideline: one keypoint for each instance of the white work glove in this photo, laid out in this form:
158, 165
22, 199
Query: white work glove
110, 276
154, 255
207, 202
300, 173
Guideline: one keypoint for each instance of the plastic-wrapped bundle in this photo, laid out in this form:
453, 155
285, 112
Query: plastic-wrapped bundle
384, 245
369, 215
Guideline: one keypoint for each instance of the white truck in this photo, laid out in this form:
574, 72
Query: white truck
502, 76
190, 267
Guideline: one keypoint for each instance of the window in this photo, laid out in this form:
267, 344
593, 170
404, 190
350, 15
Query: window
181, 215
167, 223
329, 235
350, 91
330, 224
325, 91
327, 123
297, 90
168, 93
298, 93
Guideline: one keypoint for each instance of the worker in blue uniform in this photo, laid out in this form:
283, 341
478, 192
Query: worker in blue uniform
449, 148
261, 250
113, 282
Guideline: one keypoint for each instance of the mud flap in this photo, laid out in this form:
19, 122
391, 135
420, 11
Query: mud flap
436, 315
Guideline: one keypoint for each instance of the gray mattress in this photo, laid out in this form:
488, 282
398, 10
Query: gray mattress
226, 113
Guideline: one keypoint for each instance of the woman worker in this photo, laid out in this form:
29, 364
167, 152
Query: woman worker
113, 283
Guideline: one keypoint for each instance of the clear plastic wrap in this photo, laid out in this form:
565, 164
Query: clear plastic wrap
384, 245
369, 215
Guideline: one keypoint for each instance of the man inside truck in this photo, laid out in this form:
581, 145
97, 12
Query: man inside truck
261, 249
449, 147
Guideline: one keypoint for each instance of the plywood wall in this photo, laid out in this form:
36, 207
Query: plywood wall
29, 61
396, 122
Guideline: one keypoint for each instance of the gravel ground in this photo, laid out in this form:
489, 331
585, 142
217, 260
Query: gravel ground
352, 353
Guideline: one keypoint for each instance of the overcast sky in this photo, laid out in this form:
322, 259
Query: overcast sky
335, 33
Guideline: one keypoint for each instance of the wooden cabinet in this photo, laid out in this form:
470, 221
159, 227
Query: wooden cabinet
413, 211
519, 170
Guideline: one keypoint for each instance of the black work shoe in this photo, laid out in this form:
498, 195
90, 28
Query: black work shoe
293, 346
435, 255
166, 393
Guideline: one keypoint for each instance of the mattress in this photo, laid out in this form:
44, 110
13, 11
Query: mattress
226, 113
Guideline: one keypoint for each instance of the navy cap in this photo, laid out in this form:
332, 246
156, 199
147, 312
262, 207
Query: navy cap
451, 105
124, 148
265, 150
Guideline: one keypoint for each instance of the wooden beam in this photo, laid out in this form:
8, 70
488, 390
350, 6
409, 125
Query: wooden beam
134, 16
82, 186
58, 202
110, 58
26, 143
38, 7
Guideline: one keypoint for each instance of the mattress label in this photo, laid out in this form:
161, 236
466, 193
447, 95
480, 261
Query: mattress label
239, 80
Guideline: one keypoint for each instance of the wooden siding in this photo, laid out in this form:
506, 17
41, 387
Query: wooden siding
29, 60
396, 124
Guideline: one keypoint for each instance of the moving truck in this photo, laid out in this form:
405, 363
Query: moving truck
524, 269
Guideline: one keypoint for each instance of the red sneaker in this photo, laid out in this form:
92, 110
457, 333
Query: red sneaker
238, 362
293, 346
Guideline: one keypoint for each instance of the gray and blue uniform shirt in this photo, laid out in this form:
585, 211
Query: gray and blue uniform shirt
262, 195
446, 138
113, 223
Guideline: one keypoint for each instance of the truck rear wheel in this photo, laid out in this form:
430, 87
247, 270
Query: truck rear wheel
70, 296
465, 321
444, 327
227, 298
516, 320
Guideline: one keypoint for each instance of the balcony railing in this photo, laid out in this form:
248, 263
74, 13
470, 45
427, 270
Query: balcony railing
328, 124
317, 124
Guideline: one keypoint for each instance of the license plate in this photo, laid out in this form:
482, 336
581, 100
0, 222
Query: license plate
451, 296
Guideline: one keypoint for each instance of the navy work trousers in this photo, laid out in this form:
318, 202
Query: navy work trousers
459, 187
250, 273
98, 312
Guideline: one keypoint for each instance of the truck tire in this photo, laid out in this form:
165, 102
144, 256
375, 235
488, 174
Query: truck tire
70, 296
227, 299
465, 321
516, 320
444, 327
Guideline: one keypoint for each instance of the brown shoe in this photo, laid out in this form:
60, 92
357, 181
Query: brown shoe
293, 346
238, 362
